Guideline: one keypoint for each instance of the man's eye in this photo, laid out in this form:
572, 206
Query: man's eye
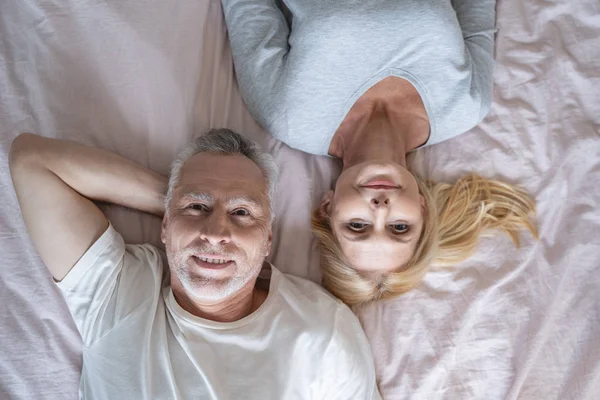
240, 212
400, 228
357, 226
198, 207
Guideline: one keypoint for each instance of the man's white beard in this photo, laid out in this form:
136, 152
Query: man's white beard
211, 290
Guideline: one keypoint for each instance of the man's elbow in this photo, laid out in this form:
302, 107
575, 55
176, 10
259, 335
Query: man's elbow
22, 150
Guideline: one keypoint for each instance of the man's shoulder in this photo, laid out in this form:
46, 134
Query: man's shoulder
108, 257
146, 253
143, 263
303, 287
307, 296
336, 336
147, 258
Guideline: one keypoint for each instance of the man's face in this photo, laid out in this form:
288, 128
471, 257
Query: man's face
217, 231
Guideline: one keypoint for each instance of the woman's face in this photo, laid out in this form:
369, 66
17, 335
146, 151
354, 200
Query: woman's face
376, 215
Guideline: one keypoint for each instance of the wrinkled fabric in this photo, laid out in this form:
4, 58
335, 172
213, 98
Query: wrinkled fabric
141, 78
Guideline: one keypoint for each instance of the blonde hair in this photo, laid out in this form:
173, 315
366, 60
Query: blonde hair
455, 216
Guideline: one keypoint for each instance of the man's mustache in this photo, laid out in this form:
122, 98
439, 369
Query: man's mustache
217, 251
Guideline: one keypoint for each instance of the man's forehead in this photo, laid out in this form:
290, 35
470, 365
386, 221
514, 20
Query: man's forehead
220, 167
230, 178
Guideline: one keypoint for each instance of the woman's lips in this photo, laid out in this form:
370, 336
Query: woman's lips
380, 184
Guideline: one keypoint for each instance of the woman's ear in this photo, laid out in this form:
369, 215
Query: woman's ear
325, 205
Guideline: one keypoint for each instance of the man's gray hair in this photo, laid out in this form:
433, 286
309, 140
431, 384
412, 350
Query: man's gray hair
225, 141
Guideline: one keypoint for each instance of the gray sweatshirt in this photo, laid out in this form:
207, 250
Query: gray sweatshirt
300, 83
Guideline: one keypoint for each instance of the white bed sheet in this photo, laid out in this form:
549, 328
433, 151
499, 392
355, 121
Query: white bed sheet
142, 77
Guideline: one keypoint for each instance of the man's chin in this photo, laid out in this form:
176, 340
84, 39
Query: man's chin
214, 292
204, 289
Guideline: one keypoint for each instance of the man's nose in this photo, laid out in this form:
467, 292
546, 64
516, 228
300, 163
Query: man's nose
216, 230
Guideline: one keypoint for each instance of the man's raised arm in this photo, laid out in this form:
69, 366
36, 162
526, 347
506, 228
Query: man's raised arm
56, 180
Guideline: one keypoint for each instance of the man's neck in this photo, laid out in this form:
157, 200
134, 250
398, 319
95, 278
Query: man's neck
235, 307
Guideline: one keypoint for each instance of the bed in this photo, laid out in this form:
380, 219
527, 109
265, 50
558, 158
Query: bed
141, 78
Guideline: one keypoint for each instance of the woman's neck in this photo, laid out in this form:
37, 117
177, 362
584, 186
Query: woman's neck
376, 133
384, 124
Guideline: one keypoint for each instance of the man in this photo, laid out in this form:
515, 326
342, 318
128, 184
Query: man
217, 322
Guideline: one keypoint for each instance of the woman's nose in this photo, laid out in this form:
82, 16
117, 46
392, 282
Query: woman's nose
380, 201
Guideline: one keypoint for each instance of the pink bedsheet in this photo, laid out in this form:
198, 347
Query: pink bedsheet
142, 78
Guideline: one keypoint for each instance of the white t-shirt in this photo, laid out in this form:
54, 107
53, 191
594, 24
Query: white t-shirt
301, 343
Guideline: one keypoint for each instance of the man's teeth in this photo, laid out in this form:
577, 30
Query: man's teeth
213, 260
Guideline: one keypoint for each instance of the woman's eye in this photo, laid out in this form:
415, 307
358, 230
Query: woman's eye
241, 212
400, 228
357, 226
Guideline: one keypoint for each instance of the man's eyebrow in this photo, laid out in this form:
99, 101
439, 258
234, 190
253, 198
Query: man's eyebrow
208, 198
243, 200
194, 196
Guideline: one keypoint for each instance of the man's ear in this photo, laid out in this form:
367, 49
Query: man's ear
270, 242
163, 230
325, 205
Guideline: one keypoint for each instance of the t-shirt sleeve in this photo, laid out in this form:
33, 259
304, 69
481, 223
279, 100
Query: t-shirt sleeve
109, 282
477, 22
348, 370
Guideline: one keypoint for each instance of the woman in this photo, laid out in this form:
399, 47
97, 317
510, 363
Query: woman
368, 81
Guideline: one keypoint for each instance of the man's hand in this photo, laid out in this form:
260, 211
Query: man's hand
55, 181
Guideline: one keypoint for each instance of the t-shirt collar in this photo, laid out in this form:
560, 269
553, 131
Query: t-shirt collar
182, 316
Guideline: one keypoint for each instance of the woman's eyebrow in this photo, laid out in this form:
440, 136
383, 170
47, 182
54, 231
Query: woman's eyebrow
355, 238
362, 237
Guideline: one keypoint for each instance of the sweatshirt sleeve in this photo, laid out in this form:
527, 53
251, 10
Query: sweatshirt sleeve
477, 21
258, 33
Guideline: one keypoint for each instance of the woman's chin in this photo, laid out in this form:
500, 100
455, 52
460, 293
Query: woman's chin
380, 171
